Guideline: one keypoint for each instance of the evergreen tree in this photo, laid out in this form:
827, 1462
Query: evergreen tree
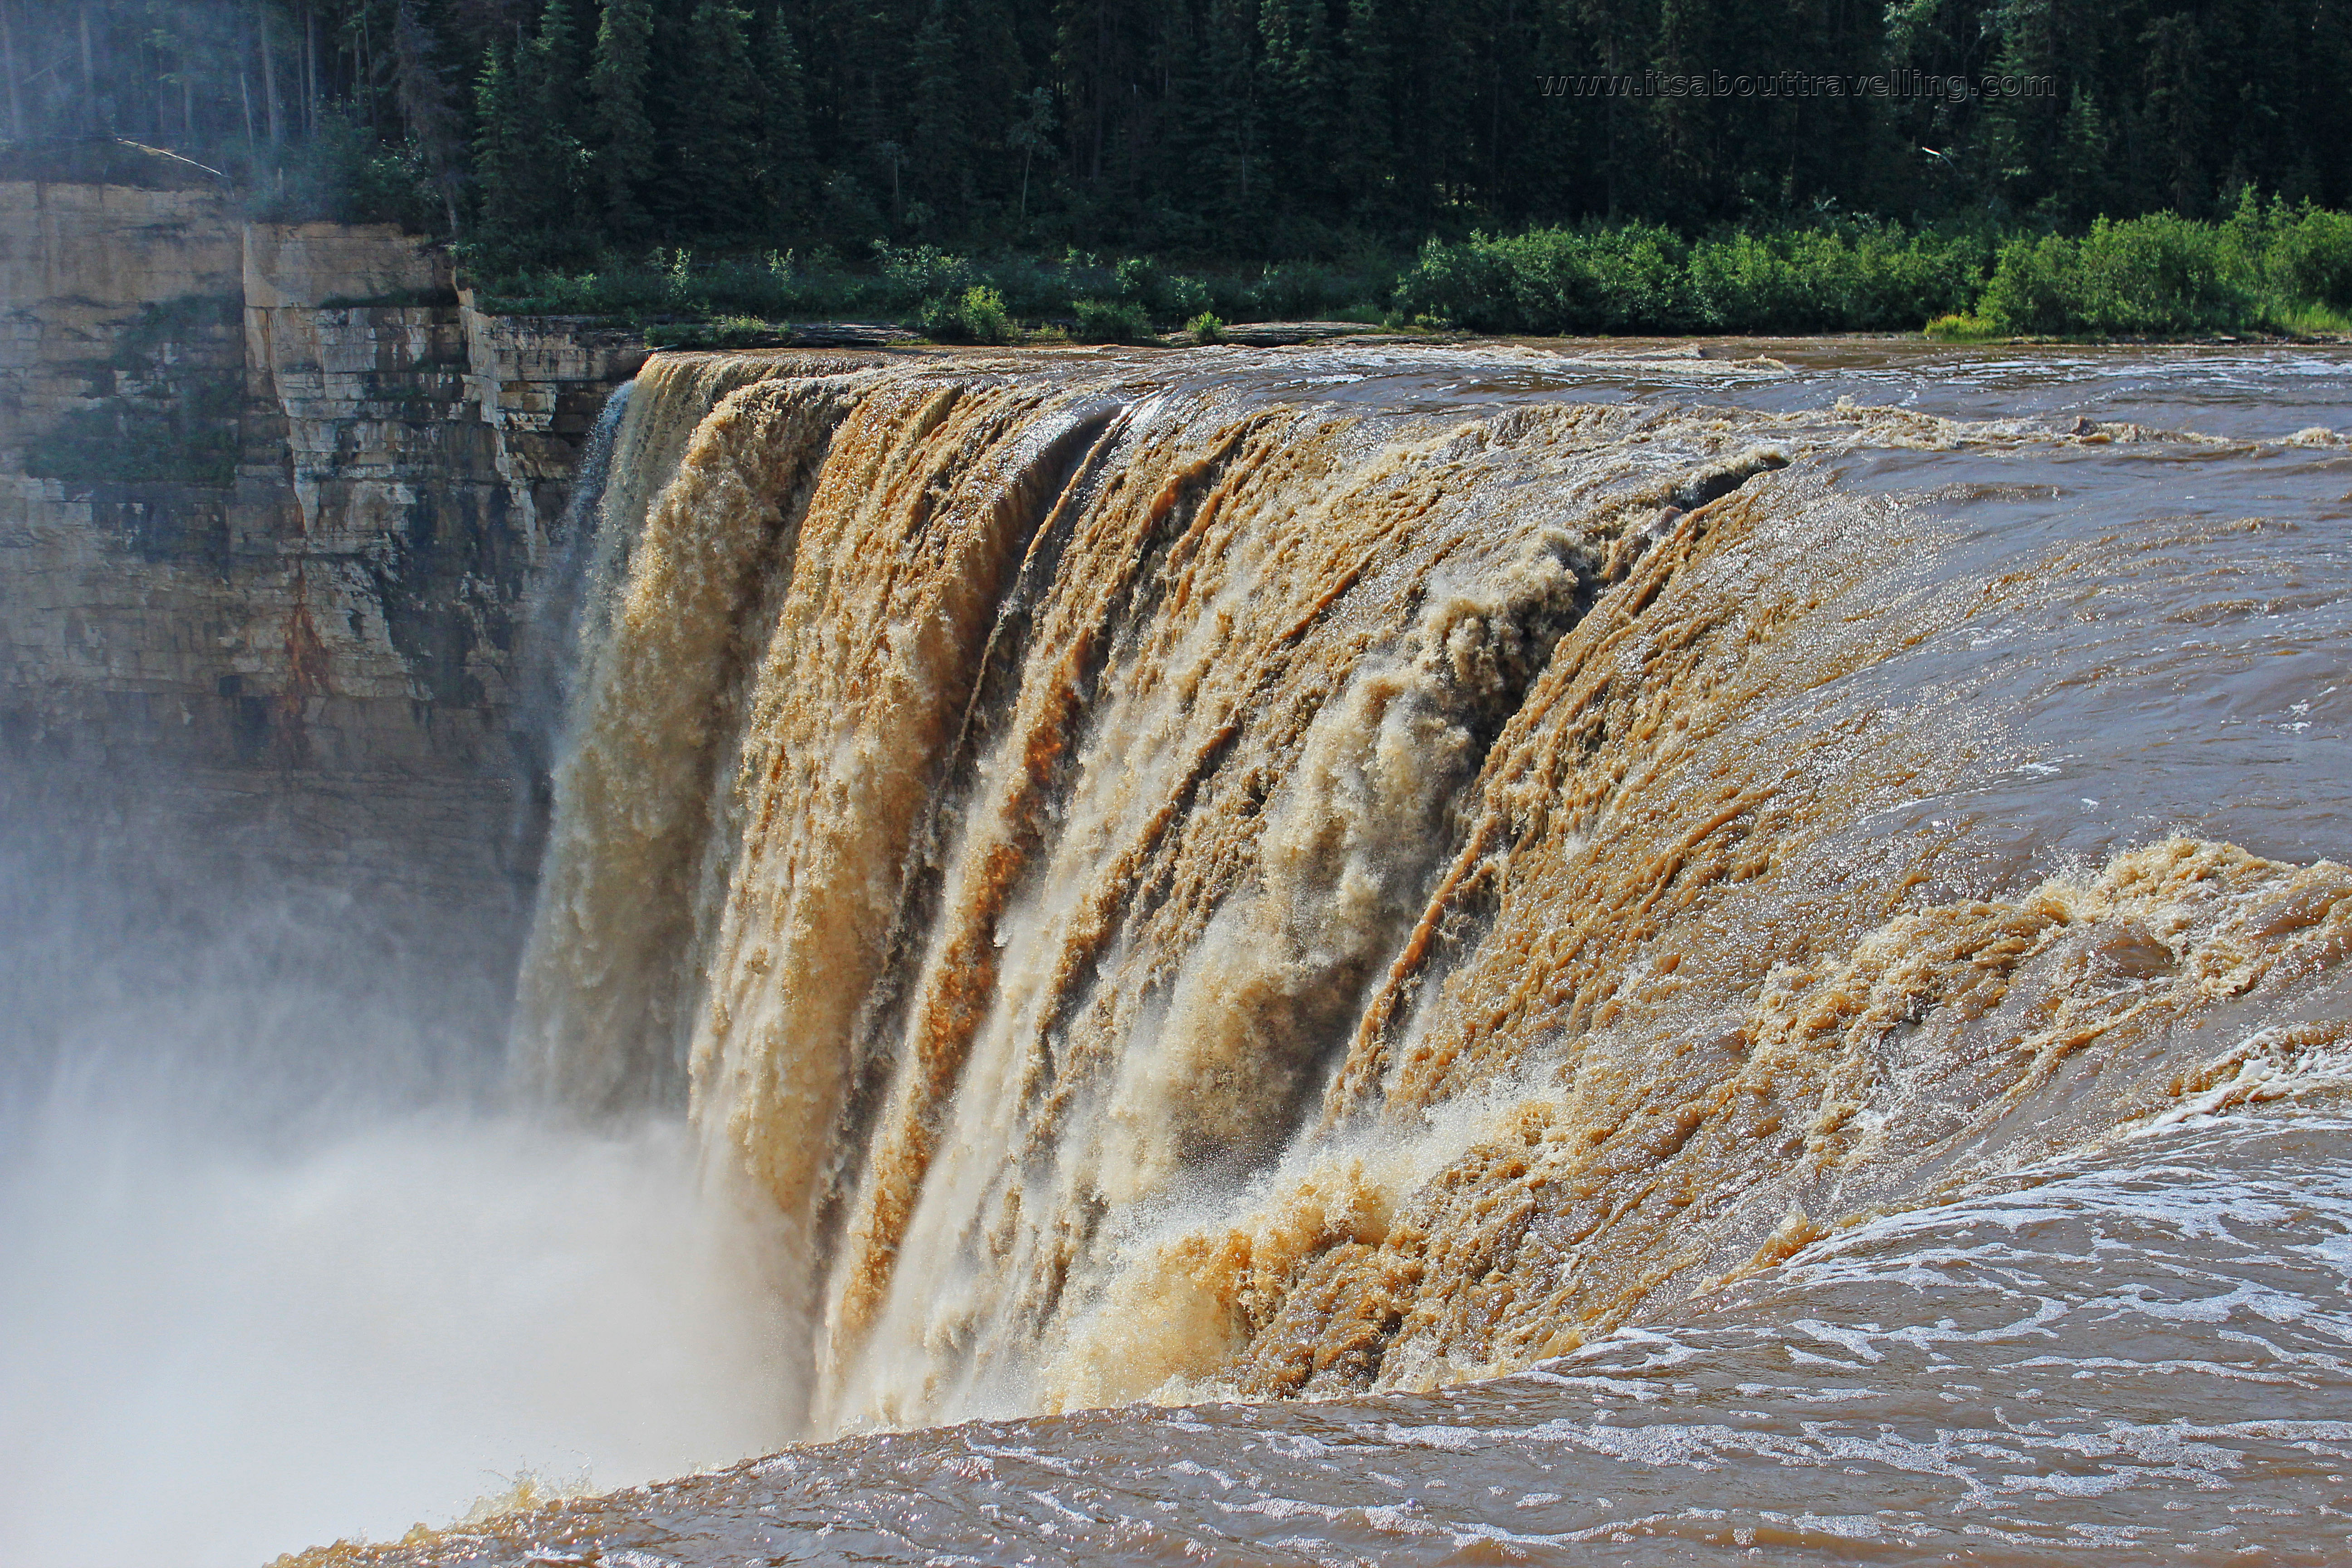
1031, 138
2178, 164
1365, 166
2084, 186
1225, 127
939, 152
1232, 184
1299, 73
788, 164
718, 185
495, 164
530, 158
624, 134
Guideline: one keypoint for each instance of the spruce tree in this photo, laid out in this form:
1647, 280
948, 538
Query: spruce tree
624, 134
1366, 149
496, 175
1299, 74
788, 165
719, 184
1231, 184
940, 154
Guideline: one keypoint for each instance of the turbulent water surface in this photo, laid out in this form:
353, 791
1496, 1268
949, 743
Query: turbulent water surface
1795, 896
1481, 954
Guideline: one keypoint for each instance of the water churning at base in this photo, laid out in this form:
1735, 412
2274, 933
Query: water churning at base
1173, 875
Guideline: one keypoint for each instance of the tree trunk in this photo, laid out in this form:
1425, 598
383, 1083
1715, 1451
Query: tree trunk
269, 71
8, 48
88, 73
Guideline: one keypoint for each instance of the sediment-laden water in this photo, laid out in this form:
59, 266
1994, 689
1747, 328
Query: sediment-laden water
1749, 884
1479, 954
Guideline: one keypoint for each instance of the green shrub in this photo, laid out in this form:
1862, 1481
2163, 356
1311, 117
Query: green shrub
2309, 258
1554, 281
1302, 291
2160, 275
718, 332
976, 316
2266, 267
1961, 329
1206, 328
913, 275
1641, 279
1110, 321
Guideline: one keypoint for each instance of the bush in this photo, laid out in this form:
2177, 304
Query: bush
720, 332
1110, 321
1826, 280
2310, 259
1550, 282
1641, 279
913, 275
976, 316
1206, 328
2266, 267
2155, 275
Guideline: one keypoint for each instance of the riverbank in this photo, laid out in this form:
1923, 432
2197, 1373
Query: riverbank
2269, 270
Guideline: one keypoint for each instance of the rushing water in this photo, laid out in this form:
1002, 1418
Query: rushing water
1480, 954
1356, 872
2143, 1348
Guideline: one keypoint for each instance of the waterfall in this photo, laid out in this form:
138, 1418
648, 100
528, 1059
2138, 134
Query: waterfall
1168, 879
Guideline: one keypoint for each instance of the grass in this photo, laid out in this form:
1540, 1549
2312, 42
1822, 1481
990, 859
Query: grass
1962, 328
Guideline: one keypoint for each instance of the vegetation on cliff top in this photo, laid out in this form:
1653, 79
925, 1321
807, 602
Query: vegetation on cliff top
1553, 165
2267, 268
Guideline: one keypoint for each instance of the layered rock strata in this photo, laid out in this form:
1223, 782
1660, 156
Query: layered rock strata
273, 500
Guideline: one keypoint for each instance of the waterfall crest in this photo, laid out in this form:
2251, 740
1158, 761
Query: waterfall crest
1169, 879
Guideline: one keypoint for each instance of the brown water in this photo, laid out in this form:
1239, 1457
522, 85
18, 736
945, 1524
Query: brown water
1794, 891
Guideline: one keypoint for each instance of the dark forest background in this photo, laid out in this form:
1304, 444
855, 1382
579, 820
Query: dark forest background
546, 131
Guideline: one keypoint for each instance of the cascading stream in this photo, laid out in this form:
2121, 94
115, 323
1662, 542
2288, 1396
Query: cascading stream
1170, 877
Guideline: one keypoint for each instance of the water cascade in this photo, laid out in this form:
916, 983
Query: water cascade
1175, 877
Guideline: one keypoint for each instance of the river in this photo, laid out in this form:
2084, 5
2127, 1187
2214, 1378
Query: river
1609, 952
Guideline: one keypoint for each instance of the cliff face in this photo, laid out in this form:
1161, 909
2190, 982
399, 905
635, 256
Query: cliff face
272, 499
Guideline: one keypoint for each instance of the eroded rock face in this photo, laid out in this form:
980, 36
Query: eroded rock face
272, 499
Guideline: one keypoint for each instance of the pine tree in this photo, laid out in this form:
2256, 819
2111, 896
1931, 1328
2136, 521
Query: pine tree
2015, 134
2176, 124
557, 89
788, 164
939, 149
718, 185
624, 134
426, 105
496, 173
1031, 138
1230, 182
2085, 184
1299, 73
1366, 151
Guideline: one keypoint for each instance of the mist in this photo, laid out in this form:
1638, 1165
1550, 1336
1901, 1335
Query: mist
285, 1263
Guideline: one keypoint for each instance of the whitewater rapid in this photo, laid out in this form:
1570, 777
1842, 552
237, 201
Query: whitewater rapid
1226, 874
1360, 954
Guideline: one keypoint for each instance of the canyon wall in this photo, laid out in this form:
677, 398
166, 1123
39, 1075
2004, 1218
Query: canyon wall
273, 500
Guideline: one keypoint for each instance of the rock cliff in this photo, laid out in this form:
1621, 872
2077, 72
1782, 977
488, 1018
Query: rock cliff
272, 502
